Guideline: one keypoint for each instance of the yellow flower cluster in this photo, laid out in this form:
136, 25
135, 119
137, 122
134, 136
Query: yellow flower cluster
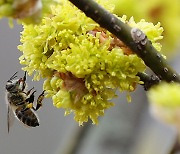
83, 64
165, 102
165, 94
6, 8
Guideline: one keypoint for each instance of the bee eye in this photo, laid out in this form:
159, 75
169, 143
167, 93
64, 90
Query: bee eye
9, 87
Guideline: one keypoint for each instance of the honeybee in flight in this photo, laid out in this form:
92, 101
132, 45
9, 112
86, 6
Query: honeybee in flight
20, 102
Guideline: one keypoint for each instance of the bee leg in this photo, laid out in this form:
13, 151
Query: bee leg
24, 81
39, 101
29, 102
30, 99
29, 91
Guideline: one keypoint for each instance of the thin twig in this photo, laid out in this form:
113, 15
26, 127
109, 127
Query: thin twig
149, 81
134, 38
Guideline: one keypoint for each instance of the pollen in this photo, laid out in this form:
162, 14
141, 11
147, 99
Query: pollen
30, 105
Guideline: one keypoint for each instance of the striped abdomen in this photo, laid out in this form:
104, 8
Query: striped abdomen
27, 117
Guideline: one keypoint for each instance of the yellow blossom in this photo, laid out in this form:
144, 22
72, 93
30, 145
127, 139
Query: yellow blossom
83, 64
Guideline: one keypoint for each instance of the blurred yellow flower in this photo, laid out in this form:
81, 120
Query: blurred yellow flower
165, 102
165, 11
27, 11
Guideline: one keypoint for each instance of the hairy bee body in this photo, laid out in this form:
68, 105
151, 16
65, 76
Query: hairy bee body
20, 102
27, 117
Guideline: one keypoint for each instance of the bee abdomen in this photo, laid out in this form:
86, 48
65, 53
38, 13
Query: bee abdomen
27, 117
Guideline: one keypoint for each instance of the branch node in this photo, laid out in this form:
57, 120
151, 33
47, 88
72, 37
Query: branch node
139, 38
166, 70
117, 28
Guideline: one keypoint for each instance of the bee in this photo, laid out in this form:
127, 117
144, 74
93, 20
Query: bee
20, 102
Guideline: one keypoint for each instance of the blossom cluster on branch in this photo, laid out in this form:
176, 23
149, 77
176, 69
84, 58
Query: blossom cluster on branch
83, 64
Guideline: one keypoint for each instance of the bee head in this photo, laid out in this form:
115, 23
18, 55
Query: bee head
13, 85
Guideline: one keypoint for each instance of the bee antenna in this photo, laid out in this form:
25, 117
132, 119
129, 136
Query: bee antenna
13, 76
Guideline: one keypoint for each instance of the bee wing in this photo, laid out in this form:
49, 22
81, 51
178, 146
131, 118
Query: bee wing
10, 117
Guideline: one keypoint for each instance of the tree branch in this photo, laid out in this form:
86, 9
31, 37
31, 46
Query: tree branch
134, 38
